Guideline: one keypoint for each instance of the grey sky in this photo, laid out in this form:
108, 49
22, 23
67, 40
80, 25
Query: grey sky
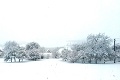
54, 22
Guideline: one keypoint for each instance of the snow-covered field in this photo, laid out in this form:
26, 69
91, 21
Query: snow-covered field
55, 69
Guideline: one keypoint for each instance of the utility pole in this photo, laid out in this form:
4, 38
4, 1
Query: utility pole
114, 44
114, 51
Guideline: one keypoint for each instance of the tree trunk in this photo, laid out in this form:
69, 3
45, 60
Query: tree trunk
96, 61
11, 59
90, 60
14, 59
114, 60
104, 61
83, 60
19, 60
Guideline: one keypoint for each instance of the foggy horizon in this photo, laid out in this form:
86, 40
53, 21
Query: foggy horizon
56, 23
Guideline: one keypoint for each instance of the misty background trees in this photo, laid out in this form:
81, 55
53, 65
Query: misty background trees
97, 49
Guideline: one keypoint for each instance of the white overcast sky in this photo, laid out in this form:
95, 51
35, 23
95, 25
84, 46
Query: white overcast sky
54, 22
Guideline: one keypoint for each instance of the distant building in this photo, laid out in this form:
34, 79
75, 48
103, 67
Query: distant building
48, 51
61, 49
47, 55
1, 53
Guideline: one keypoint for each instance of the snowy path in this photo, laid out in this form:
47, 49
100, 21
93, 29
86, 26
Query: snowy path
53, 69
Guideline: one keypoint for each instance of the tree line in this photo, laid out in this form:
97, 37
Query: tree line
12, 51
97, 49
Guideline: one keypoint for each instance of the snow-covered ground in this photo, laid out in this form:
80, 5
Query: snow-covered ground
55, 69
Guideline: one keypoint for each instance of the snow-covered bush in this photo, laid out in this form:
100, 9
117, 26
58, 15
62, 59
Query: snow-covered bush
65, 54
73, 56
55, 53
33, 54
47, 55
33, 51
